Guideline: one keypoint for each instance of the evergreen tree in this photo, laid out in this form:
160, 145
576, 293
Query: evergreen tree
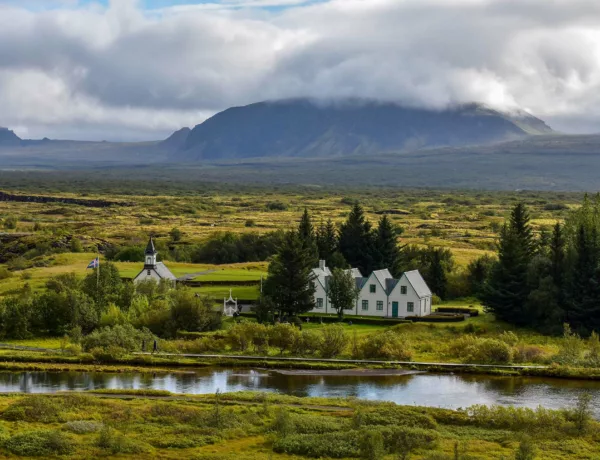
583, 307
506, 291
557, 256
289, 284
357, 242
437, 274
388, 252
477, 273
306, 233
327, 244
521, 227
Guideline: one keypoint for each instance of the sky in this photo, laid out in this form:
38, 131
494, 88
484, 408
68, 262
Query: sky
140, 69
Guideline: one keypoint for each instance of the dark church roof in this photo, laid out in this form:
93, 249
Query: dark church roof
150, 249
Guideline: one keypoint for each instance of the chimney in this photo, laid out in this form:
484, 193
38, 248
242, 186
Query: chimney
322, 264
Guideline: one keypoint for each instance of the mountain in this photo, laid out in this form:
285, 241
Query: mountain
176, 140
8, 137
306, 128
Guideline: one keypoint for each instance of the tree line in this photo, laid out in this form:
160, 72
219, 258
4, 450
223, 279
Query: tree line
548, 279
289, 288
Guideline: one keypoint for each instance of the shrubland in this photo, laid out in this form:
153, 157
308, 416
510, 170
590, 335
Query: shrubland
261, 426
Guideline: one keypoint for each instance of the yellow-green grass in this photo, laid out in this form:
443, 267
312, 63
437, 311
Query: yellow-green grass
176, 427
238, 292
222, 274
37, 342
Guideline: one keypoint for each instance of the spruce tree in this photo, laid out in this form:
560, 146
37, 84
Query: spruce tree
388, 252
506, 291
437, 274
327, 244
289, 284
357, 242
521, 227
307, 235
583, 306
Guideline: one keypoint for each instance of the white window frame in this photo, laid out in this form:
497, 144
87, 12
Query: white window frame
365, 303
380, 305
410, 307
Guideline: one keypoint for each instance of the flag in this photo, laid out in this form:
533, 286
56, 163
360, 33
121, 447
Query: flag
94, 263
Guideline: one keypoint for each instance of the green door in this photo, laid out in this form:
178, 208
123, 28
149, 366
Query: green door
395, 309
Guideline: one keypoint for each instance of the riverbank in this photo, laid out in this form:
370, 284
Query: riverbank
256, 426
54, 360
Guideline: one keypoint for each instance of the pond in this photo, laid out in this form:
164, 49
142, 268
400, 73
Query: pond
437, 390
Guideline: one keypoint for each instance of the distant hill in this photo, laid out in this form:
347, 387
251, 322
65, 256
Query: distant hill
304, 128
8, 137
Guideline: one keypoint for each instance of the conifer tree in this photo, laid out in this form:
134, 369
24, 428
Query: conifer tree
557, 256
583, 306
327, 244
521, 227
388, 252
437, 274
289, 284
307, 235
357, 242
507, 290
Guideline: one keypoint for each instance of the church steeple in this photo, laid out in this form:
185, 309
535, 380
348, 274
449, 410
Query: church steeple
151, 254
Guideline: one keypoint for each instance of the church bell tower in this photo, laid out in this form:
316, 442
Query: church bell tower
150, 255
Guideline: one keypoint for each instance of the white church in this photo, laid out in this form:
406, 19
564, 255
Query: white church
380, 294
153, 270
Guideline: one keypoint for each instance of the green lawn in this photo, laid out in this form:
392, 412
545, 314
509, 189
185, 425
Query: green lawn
239, 292
233, 275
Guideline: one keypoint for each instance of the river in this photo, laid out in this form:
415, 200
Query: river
437, 390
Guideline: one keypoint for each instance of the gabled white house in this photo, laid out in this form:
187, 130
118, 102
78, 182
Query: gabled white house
409, 296
379, 294
153, 270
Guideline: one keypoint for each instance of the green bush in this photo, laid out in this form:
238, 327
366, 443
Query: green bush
124, 337
36, 408
472, 349
460, 310
334, 341
391, 415
371, 445
116, 443
386, 345
83, 426
405, 440
39, 444
449, 318
332, 445
5, 273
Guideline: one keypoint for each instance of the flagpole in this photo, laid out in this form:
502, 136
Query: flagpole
98, 271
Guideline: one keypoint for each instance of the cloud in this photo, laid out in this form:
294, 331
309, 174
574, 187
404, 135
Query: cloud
122, 71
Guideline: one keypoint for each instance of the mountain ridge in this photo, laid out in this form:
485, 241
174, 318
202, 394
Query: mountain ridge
308, 128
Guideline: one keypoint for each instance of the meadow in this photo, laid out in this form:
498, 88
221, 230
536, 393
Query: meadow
148, 424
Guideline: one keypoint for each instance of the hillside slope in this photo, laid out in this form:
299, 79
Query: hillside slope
303, 128
8, 137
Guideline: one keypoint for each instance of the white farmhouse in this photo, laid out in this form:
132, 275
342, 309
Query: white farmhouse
153, 270
380, 294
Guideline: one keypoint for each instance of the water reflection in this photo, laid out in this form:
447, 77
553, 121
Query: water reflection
452, 391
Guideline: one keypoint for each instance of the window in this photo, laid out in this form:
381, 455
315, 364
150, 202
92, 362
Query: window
365, 304
149, 273
372, 288
319, 303
403, 290
380, 305
410, 307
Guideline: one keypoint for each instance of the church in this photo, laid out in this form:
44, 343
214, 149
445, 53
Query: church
153, 270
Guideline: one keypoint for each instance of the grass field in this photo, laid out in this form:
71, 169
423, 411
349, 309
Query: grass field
249, 426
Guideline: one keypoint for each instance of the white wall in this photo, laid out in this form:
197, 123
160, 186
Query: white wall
365, 294
420, 305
